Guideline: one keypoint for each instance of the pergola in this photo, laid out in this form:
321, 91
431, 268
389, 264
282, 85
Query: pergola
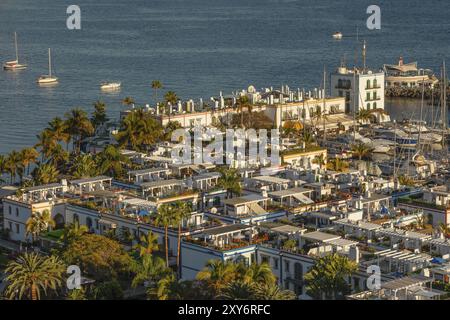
224, 235
411, 283
159, 188
148, 174
403, 260
91, 184
41, 192
206, 180
288, 196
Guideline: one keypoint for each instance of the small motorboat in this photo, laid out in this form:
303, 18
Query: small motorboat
337, 35
110, 85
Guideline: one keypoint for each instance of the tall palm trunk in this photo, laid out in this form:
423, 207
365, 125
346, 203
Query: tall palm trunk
33, 292
179, 249
166, 231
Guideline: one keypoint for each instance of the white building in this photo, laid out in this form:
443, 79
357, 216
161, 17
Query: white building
363, 86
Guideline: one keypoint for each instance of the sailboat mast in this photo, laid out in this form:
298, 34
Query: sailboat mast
324, 102
421, 115
15, 45
49, 63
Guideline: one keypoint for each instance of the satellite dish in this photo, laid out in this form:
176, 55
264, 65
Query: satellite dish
251, 89
214, 210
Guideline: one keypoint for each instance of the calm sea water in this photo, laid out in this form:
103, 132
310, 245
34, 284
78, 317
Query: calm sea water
196, 48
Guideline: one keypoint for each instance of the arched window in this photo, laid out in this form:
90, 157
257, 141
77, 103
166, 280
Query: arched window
374, 106
59, 221
375, 83
368, 84
89, 223
368, 106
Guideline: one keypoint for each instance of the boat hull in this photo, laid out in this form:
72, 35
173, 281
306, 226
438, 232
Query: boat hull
44, 80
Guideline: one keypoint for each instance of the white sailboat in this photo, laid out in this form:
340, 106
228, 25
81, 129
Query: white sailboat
14, 65
48, 79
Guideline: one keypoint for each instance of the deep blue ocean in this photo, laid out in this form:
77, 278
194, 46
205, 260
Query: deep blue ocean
196, 48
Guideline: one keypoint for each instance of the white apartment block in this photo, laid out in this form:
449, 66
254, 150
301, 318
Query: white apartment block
364, 87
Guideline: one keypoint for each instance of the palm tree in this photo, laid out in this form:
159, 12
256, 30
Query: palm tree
242, 103
128, 135
2, 166
73, 232
46, 143
138, 128
112, 161
166, 288
444, 229
128, 101
364, 115
165, 218
45, 173
259, 273
361, 150
58, 156
405, 180
156, 85
217, 274
29, 156
148, 244
237, 290
270, 291
230, 181
338, 165
99, 116
13, 164
320, 160
327, 278
182, 212
150, 269
78, 126
39, 222
31, 274
308, 138
59, 131
83, 166
171, 97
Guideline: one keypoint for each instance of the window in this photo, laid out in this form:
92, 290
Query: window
368, 106
264, 259
374, 95
275, 263
96, 224
367, 96
368, 84
10, 226
17, 228
287, 266
375, 83
17, 212
9, 210
76, 219
374, 106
